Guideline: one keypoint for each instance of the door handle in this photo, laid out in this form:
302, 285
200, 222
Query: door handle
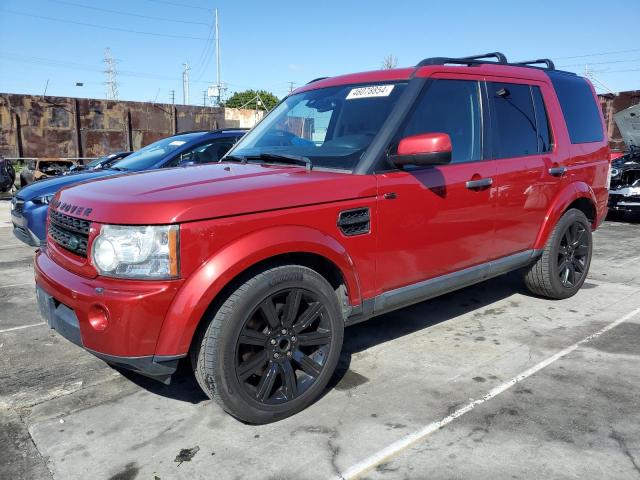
480, 183
557, 171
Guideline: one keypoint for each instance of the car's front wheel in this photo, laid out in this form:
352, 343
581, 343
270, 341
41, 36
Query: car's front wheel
563, 266
270, 349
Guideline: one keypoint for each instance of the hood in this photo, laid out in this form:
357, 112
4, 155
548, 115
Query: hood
51, 186
628, 122
209, 191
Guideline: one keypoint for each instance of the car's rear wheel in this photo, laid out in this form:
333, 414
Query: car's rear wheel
272, 346
564, 264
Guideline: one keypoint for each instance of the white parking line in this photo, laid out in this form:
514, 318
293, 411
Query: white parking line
407, 441
17, 285
21, 327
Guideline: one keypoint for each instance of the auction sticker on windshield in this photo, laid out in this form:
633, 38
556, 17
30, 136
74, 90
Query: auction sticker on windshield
371, 91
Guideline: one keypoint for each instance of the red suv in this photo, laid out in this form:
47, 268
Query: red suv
356, 195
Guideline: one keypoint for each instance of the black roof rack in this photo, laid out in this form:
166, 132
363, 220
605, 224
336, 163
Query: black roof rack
472, 60
230, 129
530, 63
217, 130
498, 59
316, 80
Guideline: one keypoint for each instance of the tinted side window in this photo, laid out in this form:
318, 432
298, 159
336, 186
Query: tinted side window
213, 152
545, 140
452, 107
191, 156
513, 120
578, 107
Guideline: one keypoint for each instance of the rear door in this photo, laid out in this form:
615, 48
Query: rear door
432, 221
528, 172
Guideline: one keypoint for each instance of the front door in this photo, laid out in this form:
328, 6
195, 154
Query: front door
440, 219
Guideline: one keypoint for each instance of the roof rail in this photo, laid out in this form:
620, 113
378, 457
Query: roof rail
229, 129
316, 80
529, 63
472, 60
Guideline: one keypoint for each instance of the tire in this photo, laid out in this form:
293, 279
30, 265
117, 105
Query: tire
564, 264
271, 348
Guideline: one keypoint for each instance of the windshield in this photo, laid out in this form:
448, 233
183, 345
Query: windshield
148, 156
332, 126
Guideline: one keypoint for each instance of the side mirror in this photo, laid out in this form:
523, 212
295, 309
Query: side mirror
423, 149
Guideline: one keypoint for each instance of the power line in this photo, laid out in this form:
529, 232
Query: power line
602, 72
205, 55
176, 4
601, 63
80, 66
116, 29
129, 14
599, 54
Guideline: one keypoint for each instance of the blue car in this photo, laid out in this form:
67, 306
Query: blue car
30, 204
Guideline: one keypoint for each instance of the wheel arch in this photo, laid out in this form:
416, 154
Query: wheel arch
217, 277
575, 195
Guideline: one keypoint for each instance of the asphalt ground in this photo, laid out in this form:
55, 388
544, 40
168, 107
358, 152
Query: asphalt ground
486, 382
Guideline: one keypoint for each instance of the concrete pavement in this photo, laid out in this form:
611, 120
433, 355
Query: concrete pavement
67, 415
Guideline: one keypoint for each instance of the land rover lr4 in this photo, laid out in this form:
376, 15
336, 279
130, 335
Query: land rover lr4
356, 195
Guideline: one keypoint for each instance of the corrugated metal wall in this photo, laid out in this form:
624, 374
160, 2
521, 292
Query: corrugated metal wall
36, 126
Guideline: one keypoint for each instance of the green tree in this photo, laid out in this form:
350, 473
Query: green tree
252, 99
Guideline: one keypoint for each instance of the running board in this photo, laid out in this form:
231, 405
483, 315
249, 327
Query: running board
434, 287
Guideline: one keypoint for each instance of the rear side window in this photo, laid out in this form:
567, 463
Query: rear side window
513, 120
451, 107
579, 107
545, 140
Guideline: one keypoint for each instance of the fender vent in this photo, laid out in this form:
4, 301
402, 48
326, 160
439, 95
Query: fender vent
354, 222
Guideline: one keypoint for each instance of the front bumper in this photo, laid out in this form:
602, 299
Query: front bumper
133, 312
29, 224
624, 203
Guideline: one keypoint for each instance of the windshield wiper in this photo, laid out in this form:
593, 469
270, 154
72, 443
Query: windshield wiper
272, 158
118, 169
286, 158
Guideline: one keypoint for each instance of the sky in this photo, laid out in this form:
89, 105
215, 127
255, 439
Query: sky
54, 44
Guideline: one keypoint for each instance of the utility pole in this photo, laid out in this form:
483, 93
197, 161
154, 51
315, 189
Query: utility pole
185, 83
218, 55
204, 98
291, 84
216, 91
173, 96
112, 75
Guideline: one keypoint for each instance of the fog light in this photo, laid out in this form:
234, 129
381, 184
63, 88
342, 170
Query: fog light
98, 317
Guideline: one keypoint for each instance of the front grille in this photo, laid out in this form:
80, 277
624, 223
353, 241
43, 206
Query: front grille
69, 232
354, 222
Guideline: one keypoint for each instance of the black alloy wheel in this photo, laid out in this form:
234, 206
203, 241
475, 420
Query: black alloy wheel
562, 266
573, 254
283, 346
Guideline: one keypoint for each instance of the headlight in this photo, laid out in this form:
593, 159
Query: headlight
147, 252
43, 199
